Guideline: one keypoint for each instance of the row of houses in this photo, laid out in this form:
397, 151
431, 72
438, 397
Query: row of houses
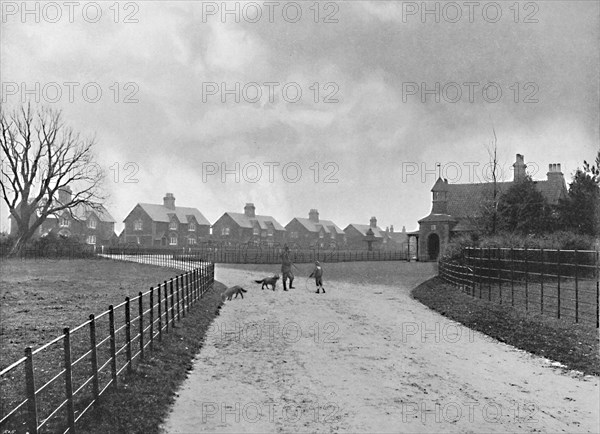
455, 210
169, 225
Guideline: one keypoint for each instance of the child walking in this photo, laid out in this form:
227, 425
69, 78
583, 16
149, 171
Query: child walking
318, 275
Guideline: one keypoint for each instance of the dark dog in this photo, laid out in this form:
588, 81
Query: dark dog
229, 292
269, 281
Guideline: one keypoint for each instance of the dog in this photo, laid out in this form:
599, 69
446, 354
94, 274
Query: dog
229, 292
269, 281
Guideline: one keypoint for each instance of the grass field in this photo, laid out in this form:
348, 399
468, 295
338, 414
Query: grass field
41, 297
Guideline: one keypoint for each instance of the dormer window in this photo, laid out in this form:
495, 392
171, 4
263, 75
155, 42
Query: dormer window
321, 234
173, 225
224, 230
192, 226
138, 225
92, 223
270, 232
293, 234
256, 231
333, 235
64, 222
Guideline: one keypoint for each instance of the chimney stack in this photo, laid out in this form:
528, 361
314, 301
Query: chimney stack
373, 222
169, 201
391, 228
249, 210
520, 169
64, 195
555, 175
313, 215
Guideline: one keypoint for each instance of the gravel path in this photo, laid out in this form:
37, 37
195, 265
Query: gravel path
368, 359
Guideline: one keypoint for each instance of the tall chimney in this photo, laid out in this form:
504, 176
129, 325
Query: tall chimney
313, 215
64, 195
391, 228
373, 222
169, 201
520, 169
249, 210
555, 175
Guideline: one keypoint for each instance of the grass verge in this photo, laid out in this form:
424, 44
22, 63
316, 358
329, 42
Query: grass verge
143, 399
573, 345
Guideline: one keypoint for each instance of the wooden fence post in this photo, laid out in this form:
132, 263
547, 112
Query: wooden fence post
94, 356
141, 323
489, 268
166, 307
159, 312
526, 283
113, 344
542, 283
512, 276
172, 303
500, 270
558, 282
128, 334
70, 408
178, 293
32, 416
576, 290
152, 319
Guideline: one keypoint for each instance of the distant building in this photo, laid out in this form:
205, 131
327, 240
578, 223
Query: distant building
86, 224
456, 207
166, 225
314, 232
248, 227
368, 237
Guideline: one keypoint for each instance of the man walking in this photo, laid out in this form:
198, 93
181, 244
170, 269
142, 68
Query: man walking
286, 267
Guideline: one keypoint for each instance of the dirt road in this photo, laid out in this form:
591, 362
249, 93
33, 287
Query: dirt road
368, 359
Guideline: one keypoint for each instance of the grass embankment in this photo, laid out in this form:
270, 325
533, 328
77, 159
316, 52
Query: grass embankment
143, 399
573, 345
39, 297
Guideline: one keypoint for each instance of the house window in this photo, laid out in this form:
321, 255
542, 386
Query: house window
137, 225
225, 230
263, 234
294, 234
256, 232
91, 239
191, 240
173, 225
433, 227
333, 235
173, 240
321, 234
192, 227
270, 232
92, 223
65, 222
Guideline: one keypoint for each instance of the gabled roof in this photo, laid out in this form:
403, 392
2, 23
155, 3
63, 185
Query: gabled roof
263, 221
464, 200
160, 213
327, 225
377, 232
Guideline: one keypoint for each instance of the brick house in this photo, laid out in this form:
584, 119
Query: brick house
242, 228
456, 207
90, 225
166, 225
313, 232
368, 237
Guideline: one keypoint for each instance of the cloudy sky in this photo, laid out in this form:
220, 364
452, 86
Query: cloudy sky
343, 106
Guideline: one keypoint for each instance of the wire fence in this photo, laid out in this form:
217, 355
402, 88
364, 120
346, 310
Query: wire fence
88, 359
559, 283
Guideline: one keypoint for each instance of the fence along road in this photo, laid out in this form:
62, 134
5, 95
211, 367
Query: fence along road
564, 284
94, 353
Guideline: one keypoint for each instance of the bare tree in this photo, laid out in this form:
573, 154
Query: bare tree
40, 156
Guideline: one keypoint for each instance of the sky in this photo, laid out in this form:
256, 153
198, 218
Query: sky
346, 107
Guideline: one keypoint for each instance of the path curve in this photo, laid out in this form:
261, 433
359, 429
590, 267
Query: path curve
368, 359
